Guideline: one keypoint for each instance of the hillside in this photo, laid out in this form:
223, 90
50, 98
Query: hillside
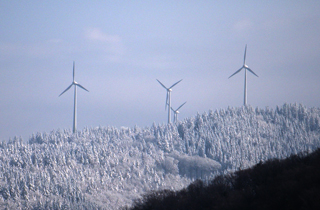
292, 183
106, 167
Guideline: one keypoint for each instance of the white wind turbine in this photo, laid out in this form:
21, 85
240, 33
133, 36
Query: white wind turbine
176, 112
245, 67
168, 98
75, 98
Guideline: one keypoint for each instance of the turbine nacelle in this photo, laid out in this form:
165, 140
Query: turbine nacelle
245, 67
75, 84
168, 97
176, 112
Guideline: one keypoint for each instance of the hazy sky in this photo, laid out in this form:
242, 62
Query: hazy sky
121, 47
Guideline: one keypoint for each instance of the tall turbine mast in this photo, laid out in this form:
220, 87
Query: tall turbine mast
168, 98
176, 112
75, 84
245, 67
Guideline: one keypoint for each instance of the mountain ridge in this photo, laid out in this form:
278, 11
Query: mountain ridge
107, 168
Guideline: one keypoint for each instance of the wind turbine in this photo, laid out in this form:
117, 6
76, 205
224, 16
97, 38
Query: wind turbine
168, 99
176, 112
245, 67
75, 98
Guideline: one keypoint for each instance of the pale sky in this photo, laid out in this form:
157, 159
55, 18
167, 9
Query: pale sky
120, 48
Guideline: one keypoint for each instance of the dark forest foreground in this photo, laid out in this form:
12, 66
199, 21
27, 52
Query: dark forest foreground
292, 183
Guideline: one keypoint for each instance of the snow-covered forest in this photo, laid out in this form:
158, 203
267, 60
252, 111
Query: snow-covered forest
107, 167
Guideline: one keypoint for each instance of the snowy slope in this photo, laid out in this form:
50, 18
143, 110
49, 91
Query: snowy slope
108, 167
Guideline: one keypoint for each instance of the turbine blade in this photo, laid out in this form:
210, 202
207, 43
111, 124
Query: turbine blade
245, 53
236, 72
175, 84
165, 108
82, 87
73, 70
252, 72
172, 109
66, 89
181, 106
162, 84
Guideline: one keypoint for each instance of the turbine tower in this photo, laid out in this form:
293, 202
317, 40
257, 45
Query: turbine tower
245, 67
176, 112
168, 98
75, 98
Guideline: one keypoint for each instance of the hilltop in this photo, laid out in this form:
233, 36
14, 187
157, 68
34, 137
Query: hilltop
107, 167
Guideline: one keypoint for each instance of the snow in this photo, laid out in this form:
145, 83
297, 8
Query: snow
108, 167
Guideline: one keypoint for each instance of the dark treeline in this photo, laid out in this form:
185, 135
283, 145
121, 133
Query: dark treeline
291, 183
